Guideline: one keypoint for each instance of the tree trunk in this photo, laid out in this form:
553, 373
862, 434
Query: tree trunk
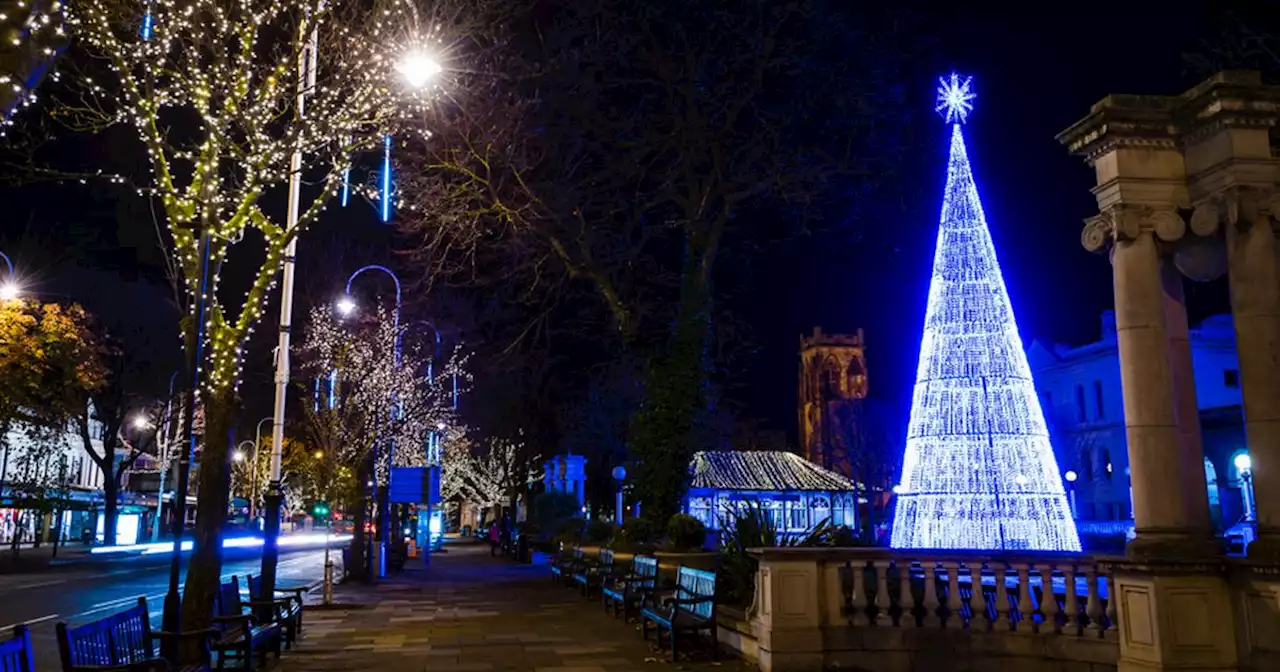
110, 507
205, 570
358, 535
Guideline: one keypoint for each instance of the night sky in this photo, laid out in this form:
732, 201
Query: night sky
1035, 71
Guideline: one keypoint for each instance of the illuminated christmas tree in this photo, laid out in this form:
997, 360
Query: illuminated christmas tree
979, 472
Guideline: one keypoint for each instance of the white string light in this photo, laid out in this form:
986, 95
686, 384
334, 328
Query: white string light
769, 470
979, 472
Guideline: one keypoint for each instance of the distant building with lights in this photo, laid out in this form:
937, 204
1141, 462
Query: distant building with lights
1079, 389
793, 492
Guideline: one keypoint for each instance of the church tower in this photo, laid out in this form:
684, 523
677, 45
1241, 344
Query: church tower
833, 377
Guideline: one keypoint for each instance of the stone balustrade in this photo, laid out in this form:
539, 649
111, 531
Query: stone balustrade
879, 609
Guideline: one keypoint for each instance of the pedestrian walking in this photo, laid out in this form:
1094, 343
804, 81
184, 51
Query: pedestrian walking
493, 538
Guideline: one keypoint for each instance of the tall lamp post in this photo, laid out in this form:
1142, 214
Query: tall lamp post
382, 530
1244, 465
8, 292
620, 475
1071, 491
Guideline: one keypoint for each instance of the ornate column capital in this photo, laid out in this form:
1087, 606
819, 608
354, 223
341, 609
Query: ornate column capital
1239, 206
1128, 222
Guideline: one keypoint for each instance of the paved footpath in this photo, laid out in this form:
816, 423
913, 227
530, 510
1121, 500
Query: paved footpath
472, 612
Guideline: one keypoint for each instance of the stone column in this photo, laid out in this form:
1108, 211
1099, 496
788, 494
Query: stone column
1192, 485
1255, 305
1168, 522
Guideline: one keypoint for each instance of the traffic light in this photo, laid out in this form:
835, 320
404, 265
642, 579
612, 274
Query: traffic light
321, 509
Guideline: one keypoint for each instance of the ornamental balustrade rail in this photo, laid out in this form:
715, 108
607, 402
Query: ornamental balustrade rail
816, 607
920, 591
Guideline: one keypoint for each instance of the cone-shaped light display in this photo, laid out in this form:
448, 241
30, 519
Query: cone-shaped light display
979, 472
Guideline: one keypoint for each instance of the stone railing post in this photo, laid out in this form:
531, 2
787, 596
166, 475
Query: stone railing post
792, 598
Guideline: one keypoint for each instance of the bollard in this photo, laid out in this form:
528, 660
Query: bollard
328, 581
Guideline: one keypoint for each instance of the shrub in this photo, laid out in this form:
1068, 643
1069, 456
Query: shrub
686, 533
751, 527
635, 534
598, 532
557, 513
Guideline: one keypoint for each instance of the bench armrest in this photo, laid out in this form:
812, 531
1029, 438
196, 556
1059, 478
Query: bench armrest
189, 634
149, 665
245, 619
676, 601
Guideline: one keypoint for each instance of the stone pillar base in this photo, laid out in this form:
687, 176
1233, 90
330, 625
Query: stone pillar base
1156, 545
1266, 548
1174, 616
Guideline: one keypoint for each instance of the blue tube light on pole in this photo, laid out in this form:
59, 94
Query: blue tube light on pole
147, 25
386, 178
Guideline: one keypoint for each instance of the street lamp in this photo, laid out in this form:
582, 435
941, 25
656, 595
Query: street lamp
9, 289
347, 305
237, 456
419, 70
1071, 477
619, 475
1244, 464
417, 73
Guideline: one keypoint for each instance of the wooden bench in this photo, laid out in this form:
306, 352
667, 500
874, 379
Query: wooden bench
591, 574
16, 654
564, 565
690, 610
626, 592
122, 641
239, 633
286, 606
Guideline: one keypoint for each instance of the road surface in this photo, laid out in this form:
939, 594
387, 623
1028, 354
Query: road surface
81, 593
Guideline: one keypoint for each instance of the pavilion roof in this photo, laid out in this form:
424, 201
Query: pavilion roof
761, 470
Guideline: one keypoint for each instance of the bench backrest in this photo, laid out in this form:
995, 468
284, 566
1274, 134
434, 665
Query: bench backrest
645, 567
15, 653
696, 584
255, 587
228, 602
118, 639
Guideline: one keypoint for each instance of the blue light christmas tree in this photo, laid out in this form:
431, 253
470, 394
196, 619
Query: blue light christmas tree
979, 472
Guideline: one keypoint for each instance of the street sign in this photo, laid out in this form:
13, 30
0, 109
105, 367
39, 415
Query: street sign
414, 485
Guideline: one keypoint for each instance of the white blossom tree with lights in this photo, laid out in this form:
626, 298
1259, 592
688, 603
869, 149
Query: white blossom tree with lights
209, 90
488, 475
369, 404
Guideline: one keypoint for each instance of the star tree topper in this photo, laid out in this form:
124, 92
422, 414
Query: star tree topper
955, 98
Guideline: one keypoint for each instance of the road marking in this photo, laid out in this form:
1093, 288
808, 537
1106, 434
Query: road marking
33, 621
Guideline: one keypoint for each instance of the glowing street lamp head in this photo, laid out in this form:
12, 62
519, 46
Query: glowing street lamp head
9, 290
346, 305
141, 422
237, 456
955, 98
1243, 462
1071, 476
419, 70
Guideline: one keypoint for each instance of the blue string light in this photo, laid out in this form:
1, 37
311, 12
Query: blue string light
386, 178
979, 472
147, 24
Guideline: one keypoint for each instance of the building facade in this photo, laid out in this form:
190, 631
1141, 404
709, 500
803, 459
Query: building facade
1080, 392
833, 378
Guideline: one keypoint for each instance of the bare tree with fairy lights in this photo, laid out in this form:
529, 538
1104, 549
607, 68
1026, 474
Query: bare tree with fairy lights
370, 408
211, 91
